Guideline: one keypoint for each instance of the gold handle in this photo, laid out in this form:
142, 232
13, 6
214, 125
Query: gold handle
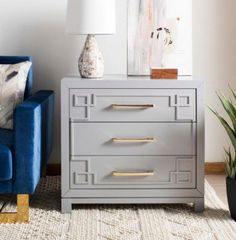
133, 140
132, 174
134, 106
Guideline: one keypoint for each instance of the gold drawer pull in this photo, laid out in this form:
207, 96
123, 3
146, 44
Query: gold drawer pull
134, 106
132, 174
133, 140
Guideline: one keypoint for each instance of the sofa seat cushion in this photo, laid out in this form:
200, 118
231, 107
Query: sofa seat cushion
5, 163
6, 137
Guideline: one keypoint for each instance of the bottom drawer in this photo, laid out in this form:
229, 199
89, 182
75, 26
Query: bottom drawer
133, 172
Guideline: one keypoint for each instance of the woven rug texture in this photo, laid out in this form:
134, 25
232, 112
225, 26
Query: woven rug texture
120, 222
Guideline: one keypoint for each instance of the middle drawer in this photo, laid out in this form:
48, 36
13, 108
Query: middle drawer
133, 139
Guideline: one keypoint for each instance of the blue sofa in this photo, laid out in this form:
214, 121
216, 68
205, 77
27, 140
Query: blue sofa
25, 150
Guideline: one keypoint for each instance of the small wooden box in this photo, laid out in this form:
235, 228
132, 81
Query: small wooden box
164, 73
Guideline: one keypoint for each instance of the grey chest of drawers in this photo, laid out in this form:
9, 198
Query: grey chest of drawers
132, 140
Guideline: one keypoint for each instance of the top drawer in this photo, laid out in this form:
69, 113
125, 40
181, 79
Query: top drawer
133, 105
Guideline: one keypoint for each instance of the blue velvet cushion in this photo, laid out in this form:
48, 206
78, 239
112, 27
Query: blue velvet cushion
6, 137
5, 163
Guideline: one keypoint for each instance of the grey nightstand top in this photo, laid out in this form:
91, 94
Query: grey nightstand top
117, 81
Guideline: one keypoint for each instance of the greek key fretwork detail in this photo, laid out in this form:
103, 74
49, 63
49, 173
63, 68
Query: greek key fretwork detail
83, 103
181, 102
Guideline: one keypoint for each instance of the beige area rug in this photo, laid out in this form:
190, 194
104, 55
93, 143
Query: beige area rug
106, 222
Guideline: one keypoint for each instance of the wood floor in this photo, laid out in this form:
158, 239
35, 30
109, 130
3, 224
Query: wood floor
218, 183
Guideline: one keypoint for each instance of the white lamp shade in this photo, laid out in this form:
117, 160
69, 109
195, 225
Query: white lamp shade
91, 17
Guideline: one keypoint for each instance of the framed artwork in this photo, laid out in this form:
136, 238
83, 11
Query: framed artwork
159, 35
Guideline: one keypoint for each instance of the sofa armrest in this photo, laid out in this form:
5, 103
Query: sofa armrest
33, 120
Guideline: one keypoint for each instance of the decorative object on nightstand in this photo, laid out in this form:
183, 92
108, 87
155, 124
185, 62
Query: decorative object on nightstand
159, 35
91, 17
164, 73
132, 140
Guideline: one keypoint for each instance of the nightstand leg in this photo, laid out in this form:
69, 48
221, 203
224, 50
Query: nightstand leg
66, 206
199, 205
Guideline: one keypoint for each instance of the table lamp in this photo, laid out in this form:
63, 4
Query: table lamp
91, 17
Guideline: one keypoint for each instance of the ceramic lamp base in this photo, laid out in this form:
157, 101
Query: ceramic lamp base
91, 64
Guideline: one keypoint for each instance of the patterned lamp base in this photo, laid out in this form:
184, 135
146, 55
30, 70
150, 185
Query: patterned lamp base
91, 60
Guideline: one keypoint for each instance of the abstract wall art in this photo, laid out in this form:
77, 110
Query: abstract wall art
159, 35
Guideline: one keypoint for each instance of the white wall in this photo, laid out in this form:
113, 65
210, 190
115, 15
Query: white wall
36, 28
214, 61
